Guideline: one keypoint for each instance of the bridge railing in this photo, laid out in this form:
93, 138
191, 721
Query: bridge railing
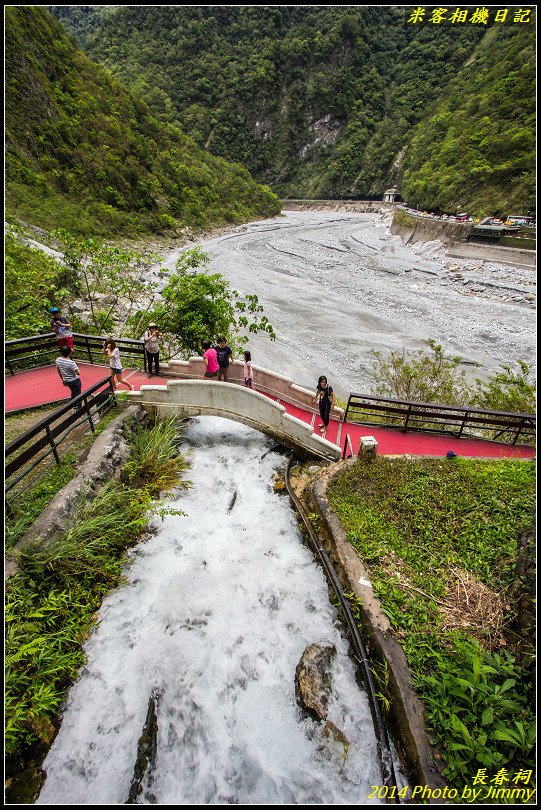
49, 436
38, 350
499, 426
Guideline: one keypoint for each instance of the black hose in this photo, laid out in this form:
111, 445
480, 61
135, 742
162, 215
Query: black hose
382, 738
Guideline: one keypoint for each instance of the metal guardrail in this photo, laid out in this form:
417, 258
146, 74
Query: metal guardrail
50, 432
29, 352
427, 417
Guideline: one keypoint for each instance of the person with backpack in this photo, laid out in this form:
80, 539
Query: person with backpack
152, 349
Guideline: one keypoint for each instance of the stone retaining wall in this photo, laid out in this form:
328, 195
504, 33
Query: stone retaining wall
106, 456
353, 206
406, 708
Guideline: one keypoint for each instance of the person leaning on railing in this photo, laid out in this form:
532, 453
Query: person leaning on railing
68, 372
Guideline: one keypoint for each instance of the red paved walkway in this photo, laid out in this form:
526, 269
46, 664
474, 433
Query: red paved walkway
42, 386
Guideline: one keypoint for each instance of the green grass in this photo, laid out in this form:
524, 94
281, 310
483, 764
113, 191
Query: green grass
52, 598
28, 505
419, 525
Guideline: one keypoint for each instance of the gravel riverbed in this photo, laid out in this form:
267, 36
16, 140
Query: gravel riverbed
337, 286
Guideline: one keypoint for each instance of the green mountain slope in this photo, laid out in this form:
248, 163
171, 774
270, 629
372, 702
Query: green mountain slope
85, 154
476, 149
313, 100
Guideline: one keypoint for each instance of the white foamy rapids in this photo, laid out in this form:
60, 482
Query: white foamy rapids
219, 608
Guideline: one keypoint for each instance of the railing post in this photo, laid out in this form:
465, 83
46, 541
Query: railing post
347, 409
87, 409
519, 429
144, 358
53, 444
463, 424
87, 344
407, 417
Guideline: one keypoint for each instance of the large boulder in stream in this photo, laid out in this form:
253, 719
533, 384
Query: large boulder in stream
313, 679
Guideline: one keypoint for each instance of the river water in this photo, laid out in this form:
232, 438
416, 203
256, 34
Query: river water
338, 286
217, 612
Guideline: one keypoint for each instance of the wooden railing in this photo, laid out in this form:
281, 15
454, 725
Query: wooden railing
23, 454
34, 351
501, 426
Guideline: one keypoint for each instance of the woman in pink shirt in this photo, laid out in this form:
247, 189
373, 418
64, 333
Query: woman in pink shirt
211, 361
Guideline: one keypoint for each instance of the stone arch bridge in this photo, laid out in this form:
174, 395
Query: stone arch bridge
186, 398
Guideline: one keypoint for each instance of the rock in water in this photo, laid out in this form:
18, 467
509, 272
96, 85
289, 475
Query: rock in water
313, 679
146, 750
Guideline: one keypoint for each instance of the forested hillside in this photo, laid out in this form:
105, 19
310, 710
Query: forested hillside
85, 154
330, 101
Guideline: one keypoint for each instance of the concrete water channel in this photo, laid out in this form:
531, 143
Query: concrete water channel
219, 606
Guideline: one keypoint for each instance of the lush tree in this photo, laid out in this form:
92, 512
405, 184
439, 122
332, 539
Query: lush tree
430, 375
198, 305
508, 390
425, 376
113, 282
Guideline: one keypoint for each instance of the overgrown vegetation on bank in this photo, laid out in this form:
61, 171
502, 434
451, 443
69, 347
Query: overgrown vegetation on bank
84, 154
441, 540
53, 597
105, 289
431, 375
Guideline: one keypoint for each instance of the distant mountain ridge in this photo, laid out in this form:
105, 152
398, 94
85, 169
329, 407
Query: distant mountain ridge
84, 153
326, 101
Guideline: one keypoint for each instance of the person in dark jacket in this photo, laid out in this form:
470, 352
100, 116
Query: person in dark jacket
225, 356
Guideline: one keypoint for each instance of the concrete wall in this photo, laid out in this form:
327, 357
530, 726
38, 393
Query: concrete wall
517, 257
418, 229
353, 206
186, 398
453, 237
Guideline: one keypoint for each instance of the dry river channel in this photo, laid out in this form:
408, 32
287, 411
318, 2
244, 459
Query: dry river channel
337, 286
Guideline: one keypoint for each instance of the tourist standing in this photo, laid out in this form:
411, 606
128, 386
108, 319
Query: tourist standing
110, 348
152, 349
225, 356
211, 361
62, 327
326, 398
248, 373
68, 372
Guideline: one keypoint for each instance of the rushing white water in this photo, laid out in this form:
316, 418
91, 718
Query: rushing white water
219, 608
